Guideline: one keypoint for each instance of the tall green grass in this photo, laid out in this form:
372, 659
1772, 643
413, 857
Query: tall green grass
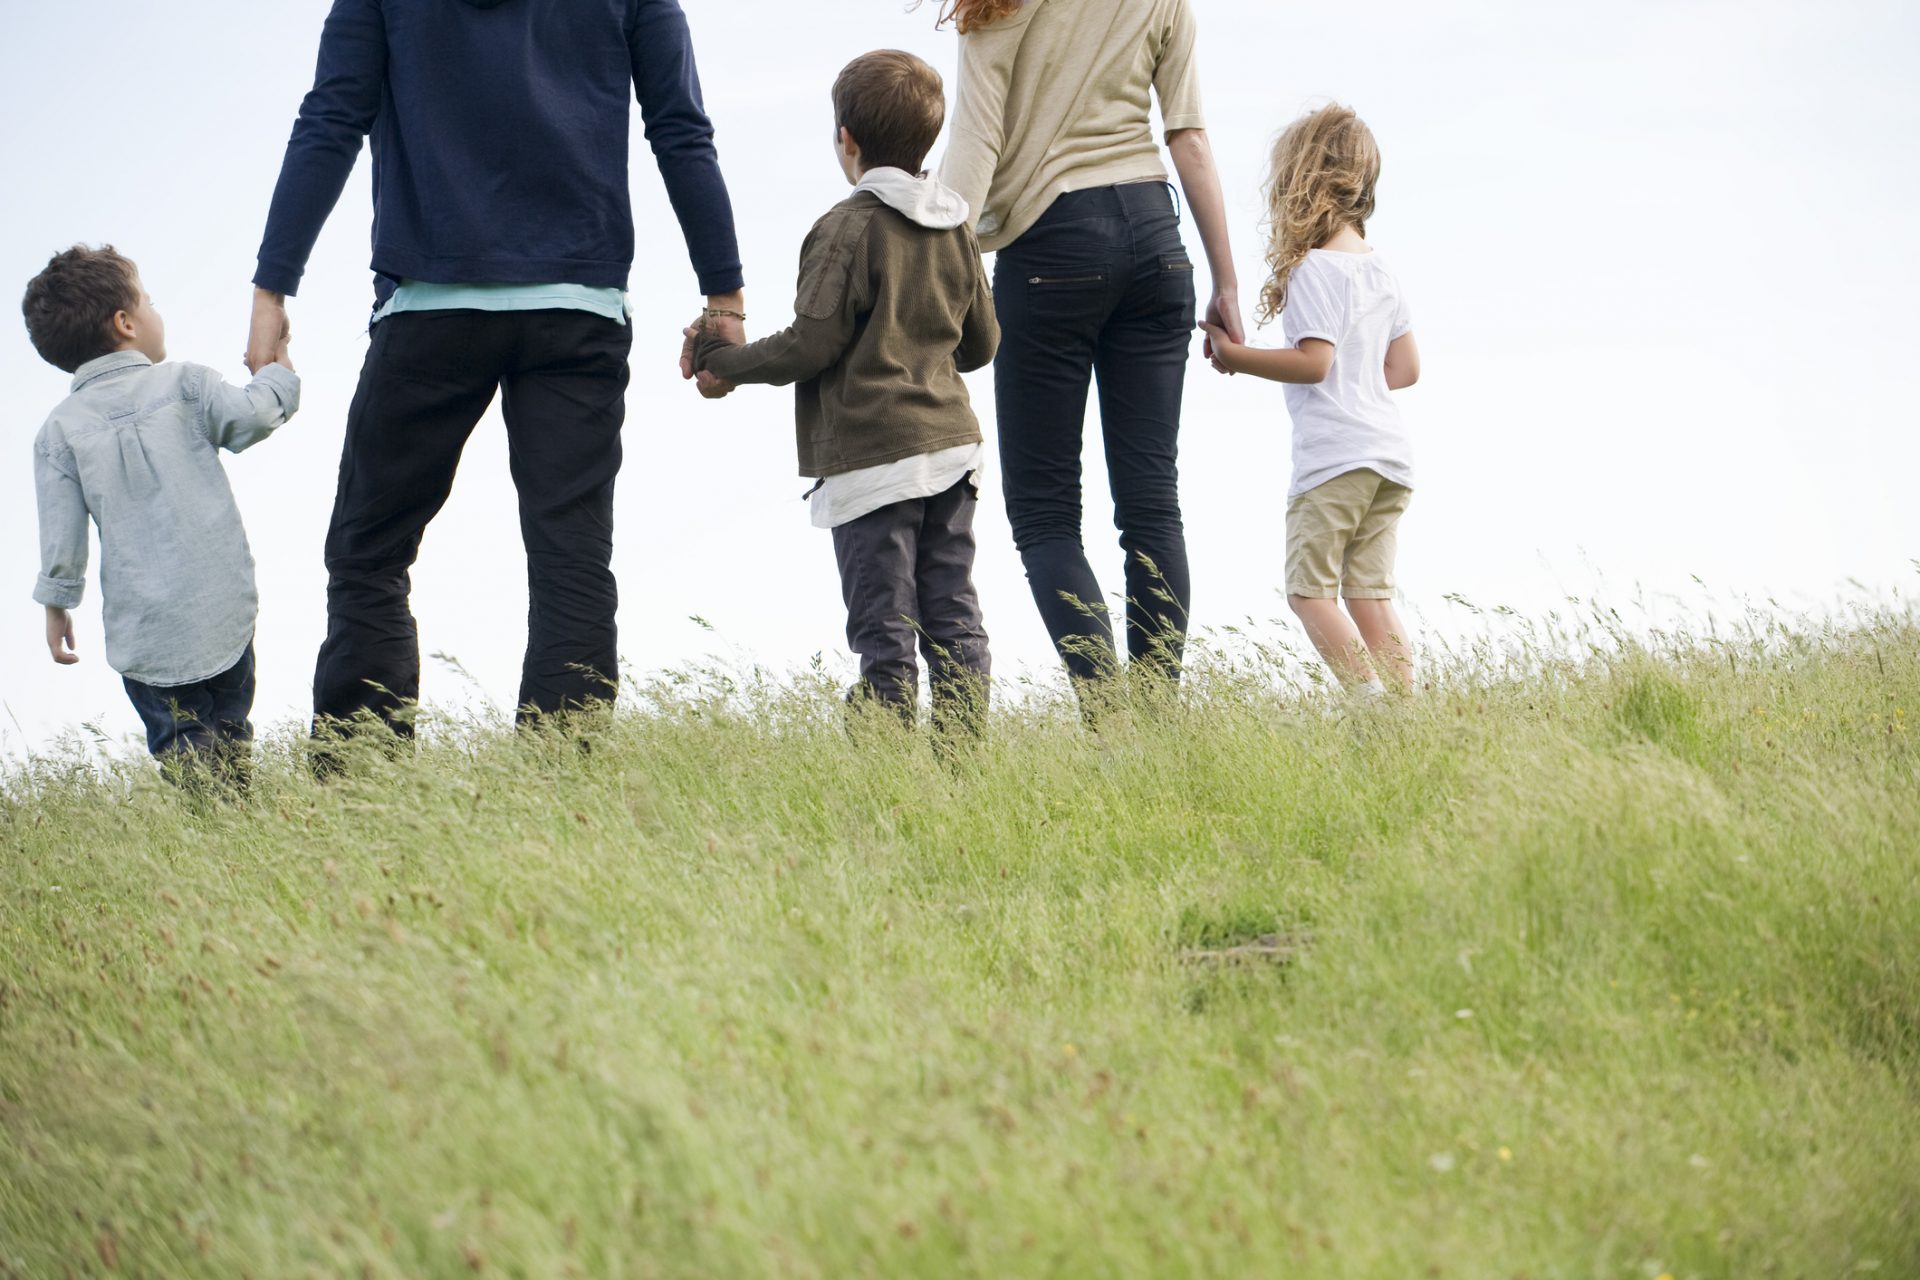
1601, 958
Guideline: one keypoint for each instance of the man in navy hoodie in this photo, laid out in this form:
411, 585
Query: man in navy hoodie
502, 240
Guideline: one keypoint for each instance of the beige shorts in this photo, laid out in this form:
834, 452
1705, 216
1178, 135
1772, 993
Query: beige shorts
1341, 537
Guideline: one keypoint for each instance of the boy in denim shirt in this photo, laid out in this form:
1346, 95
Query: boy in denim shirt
136, 447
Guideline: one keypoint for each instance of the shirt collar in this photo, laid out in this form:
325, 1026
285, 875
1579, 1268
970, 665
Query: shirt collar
101, 366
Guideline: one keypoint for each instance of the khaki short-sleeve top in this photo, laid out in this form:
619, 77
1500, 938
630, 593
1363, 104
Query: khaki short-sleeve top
1058, 98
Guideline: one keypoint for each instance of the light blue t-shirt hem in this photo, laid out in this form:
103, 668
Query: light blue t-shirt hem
418, 295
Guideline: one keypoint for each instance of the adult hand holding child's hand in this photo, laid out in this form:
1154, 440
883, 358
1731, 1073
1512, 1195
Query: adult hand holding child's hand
1223, 314
268, 335
1220, 342
730, 328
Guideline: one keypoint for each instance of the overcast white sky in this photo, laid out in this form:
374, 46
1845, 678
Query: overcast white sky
1660, 256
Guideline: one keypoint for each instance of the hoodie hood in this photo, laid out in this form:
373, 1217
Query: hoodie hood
922, 199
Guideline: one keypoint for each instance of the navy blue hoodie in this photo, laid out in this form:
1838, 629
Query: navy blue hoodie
500, 141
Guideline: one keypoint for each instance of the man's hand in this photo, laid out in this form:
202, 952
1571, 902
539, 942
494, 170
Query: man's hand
1223, 313
268, 336
733, 328
60, 636
728, 328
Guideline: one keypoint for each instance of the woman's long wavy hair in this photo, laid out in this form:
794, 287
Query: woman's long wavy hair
970, 15
1325, 167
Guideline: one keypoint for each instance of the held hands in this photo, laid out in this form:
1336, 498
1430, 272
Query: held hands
60, 636
729, 324
1223, 318
269, 333
1221, 347
709, 386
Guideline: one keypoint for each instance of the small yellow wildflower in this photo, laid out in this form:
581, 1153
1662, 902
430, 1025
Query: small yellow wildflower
1506, 1154
1070, 1050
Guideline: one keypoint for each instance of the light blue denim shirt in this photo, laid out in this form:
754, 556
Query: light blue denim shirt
136, 447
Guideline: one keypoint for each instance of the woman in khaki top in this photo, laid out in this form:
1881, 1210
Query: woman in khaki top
1053, 149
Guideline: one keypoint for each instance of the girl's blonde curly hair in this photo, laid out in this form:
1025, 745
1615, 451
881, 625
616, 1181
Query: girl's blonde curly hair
970, 15
1325, 167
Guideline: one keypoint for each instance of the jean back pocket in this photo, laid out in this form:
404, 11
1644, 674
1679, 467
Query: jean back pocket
1178, 296
1065, 295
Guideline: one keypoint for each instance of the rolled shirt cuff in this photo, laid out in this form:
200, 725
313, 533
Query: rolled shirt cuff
286, 385
59, 593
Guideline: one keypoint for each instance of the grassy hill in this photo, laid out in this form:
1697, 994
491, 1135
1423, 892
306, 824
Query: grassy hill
1603, 965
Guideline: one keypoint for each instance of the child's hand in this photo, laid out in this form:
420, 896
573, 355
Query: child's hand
60, 636
1224, 311
1220, 348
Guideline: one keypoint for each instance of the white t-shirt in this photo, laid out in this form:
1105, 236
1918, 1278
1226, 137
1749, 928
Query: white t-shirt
1349, 421
846, 497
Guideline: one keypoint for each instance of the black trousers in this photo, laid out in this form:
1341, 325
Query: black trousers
428, 378
1100, 287
906, 574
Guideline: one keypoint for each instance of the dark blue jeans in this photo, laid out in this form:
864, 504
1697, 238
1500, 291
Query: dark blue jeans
1101, 287
207, 718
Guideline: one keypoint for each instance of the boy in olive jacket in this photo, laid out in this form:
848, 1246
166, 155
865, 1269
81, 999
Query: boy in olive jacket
893, 307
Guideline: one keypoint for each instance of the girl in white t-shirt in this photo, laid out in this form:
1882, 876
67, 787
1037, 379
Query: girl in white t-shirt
1351, 343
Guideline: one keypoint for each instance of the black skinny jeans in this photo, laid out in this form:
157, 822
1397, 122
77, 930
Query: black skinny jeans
428, 377
1100, 286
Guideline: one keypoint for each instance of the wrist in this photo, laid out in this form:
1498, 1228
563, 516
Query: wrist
268, 296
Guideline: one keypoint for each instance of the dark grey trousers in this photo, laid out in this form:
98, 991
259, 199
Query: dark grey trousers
906, 573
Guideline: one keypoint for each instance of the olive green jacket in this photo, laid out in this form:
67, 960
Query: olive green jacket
888, 315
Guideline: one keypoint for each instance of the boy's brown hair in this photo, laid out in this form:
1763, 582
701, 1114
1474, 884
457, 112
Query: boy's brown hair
71, 304
893, 104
